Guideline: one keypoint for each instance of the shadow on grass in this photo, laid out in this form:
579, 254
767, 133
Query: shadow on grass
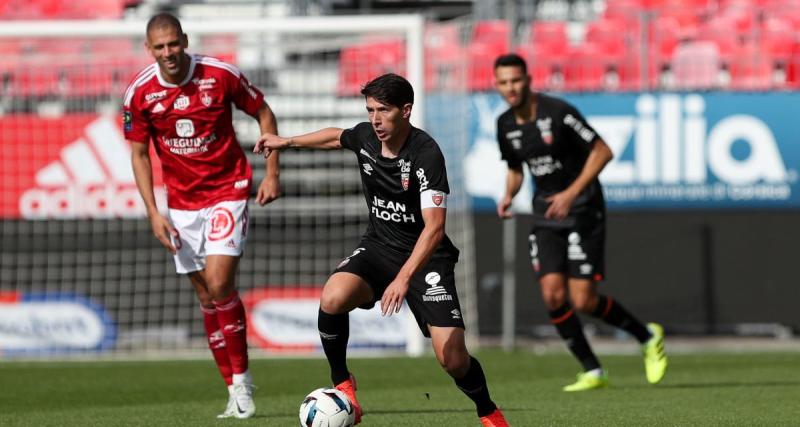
403, 411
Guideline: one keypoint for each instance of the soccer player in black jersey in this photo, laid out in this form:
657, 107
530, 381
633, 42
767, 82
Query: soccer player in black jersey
565, 156
405, 253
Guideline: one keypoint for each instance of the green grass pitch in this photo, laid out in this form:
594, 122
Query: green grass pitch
704, 389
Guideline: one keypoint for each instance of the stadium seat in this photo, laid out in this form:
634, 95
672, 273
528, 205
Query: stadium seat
443, 54
545, 65
480, 59
360, 63
585, 68
610, 36
551, 34
751, 69
491, 31
777, 37
696, 65
629, 69
722, 32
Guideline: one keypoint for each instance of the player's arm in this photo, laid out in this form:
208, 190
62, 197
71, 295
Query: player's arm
560, 203
514, 179
270, 187
323, 139
143, 173
428, 241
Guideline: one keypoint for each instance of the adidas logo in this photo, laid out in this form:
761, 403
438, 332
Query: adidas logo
231, 244
92, 178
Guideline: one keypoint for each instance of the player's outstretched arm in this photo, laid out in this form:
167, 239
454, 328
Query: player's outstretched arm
323, 139
143, 172
513, 184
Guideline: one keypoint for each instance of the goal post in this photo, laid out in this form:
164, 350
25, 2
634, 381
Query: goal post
74, 234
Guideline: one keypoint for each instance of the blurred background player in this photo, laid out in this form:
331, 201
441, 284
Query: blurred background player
182, 103
405, 253
567, 242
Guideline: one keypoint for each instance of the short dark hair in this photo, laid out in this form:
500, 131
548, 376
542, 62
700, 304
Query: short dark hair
390, 89
511, 60
164, 20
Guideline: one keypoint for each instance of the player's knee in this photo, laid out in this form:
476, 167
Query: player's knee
333, 303
455, 361
585, 303
554, 300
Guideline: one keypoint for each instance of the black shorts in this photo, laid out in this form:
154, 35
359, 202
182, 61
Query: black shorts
431, 295
577, 251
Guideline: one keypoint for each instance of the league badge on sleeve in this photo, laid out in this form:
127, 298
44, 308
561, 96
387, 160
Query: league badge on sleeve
437, 198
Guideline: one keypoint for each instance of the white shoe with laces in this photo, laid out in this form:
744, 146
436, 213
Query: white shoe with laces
242, 397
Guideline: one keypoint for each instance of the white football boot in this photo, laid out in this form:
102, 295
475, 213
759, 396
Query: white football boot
243, 405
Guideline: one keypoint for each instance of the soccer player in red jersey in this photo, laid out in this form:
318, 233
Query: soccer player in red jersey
182, 105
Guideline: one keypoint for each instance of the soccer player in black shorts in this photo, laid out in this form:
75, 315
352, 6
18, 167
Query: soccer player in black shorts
405, 253
565, 156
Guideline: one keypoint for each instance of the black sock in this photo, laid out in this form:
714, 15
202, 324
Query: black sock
473, 384
569, 327
615, 314
334, 331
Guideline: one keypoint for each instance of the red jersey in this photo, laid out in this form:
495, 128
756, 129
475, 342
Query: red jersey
192, 129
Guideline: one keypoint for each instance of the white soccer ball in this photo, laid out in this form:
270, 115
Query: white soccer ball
326, 407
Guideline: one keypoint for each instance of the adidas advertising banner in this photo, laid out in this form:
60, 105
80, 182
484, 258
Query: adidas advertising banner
672, 151
52, 323
73, 166
285, 320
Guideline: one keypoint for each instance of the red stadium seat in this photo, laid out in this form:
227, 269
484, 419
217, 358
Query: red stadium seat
545, 65
777, 39
630, 73
696, 65
585, 68
443, 55
480, 57
492, 31
360, 63
722, 32
751, 69
611, 36
552, 34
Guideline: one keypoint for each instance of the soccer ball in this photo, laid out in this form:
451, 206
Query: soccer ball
326, 407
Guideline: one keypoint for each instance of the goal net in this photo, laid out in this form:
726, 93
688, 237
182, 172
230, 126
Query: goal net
80, 270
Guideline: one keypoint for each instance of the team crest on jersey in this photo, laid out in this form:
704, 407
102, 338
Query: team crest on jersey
181, 103
405, 173
545, 126
206, 99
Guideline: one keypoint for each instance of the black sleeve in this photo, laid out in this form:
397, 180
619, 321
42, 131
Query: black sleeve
353, 138
430, 170
506, 151
577, 129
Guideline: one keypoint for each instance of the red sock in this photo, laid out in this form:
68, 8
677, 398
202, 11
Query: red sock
216, 342
231, 318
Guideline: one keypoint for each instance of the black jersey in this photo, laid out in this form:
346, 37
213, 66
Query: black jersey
393, 187
555, 148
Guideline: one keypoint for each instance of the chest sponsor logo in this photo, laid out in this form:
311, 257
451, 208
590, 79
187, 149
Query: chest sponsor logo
436, 292
206, 99
388, 210
543, 165
184, 128
367, 168
155, 96
545, 129
181, 103
203, 84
